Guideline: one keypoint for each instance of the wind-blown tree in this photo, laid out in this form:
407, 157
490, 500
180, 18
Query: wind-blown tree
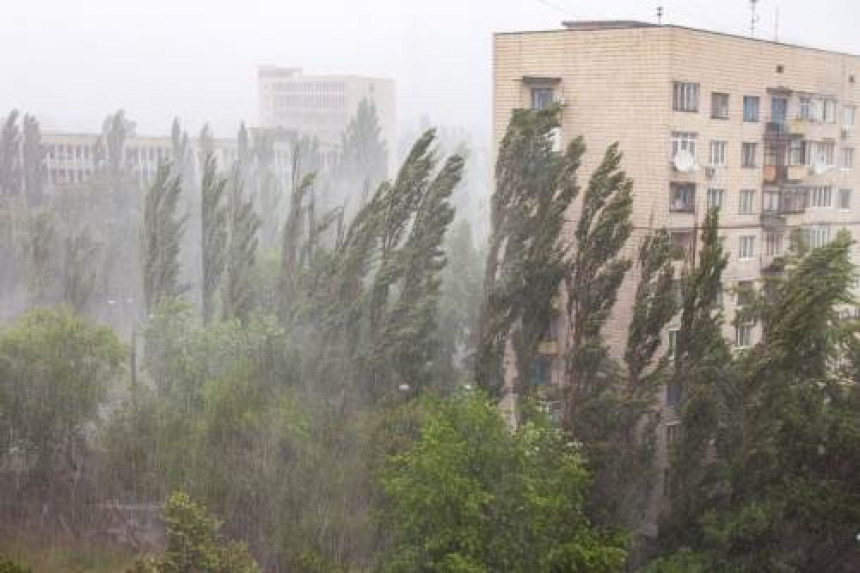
42, 251
526, 263
10, 157
782, 487
654, 306
32, 156
205, 144
597, 270
268, 192
621, 418
364, 159
161, 237
115, 131
214, 233
237, 293
409, 339
702, 364
80, 270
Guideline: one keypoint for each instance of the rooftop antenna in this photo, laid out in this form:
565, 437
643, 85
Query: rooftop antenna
776, 25
659, 15
753, 16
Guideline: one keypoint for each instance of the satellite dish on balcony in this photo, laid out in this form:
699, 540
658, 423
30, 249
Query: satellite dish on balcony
684, 161
820, 167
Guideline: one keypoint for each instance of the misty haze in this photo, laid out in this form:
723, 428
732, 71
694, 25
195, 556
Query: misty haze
473, 286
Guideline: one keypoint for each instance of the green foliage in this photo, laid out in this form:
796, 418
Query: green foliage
54, 374
80, 272
777, 491
473, 496
193, 543
526, 264
9, 566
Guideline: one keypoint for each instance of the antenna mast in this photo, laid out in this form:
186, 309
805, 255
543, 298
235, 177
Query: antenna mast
776, 26
753, 16
659, 15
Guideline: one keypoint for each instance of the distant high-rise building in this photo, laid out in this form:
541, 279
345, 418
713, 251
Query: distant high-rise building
322, 106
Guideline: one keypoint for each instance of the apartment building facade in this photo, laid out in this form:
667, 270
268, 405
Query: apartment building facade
322, 106
764, 131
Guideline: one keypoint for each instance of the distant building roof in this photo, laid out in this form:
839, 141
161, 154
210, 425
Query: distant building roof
604, 24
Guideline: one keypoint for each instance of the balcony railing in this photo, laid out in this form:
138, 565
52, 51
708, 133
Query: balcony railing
772, 220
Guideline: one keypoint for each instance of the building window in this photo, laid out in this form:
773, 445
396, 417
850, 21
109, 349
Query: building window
825, 153
673, 394
817, 236
715, 198
797, 152
821, 197
828, 111
673, 433
848, 113
673, 342
745, 205
752, 105
845, 199
743, 335
682, 244
683, 197
773, 244
847, 159
541, 369
719, 106
745, 293
746, 247
805, 109
542, 98
685, 97
718, 152
749, 152
683, 141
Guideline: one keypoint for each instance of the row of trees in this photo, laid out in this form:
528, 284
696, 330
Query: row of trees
333, 416
759, 477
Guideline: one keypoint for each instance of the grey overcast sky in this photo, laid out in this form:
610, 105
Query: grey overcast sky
73, 61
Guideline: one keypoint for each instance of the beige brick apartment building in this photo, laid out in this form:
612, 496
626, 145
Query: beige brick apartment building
763, 130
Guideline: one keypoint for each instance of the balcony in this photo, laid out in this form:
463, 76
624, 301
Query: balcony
772, 264
784, 173
772, 220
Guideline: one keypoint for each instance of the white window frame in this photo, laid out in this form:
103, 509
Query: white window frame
743, 336
685, 96
828, 111
716, 198
825, 152
754, 108
773, 244
684, 141
746, 247
821, 197
746, 202
817, 236
719, 154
